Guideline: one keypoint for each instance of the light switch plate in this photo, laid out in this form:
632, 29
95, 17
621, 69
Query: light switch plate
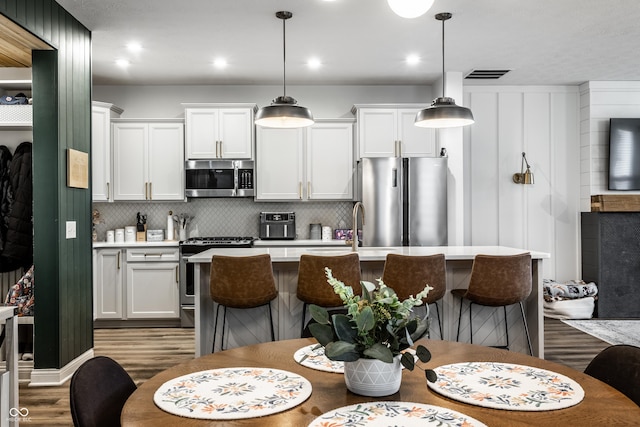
71, 229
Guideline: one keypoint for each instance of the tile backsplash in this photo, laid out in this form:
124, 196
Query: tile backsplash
221, 216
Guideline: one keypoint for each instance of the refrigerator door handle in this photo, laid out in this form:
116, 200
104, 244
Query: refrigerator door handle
394, 177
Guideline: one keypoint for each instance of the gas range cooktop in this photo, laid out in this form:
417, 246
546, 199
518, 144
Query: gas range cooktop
225, 241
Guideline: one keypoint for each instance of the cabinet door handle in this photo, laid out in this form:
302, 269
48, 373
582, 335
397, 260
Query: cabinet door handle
399, 148
146, 192
118, 260
150, 191
108, 193
177, 278
308, 189
220, 149
216, 149
300, 189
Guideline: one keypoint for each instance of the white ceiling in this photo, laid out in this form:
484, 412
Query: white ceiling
361, 41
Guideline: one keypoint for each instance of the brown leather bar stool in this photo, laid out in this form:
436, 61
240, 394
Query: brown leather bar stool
313, 287
407, 275
241, 282
498, 281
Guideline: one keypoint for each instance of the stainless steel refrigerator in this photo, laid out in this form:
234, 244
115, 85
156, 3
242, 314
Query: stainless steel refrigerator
405, 201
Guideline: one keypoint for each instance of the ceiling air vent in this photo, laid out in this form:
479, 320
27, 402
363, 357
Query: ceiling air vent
486, 74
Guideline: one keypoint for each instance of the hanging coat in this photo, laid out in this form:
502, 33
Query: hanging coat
5, 193
18, 248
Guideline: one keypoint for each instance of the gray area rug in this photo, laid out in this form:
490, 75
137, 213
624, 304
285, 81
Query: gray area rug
611, 331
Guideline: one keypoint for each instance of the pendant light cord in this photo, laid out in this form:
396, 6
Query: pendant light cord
284, 58
443, 75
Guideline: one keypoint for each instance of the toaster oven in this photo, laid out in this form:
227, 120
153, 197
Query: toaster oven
277, 225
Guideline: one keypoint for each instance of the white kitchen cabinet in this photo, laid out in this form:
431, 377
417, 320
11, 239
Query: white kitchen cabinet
313, 163
219, 131
279, 163
152, 291
329, 165
136, 283
153, 283
108, 283
148, 160
101, 115
389, 131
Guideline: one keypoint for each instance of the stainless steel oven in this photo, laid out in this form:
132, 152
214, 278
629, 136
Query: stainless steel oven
219, 178
193, 246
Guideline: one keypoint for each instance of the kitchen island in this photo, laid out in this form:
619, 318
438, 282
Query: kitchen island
251, 325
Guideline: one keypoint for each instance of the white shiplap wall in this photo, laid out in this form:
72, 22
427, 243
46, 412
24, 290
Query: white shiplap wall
600, 101
543, 122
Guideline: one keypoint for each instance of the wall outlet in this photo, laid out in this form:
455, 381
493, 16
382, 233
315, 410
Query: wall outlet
71, 229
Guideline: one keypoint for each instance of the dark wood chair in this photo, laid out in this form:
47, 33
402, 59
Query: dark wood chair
618, 366
407, 275
313, 287
498, 281
98, 391
241, 282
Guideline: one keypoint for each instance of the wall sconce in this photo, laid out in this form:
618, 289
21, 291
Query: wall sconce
524, 177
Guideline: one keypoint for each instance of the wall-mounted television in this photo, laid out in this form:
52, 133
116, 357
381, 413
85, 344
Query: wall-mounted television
624, 154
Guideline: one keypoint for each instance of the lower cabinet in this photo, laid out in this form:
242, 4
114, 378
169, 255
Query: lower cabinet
136, 283
108, 272
152, 290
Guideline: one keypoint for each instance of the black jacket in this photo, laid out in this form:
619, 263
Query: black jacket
18, 248
6, 195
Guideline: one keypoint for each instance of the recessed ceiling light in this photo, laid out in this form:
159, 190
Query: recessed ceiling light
134, 47
220, 63
314, 63
413, 59
122, 63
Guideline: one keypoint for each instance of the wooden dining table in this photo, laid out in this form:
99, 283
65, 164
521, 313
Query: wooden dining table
602, 405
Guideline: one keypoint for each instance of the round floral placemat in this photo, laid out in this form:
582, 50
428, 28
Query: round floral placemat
384, 414
315, 359
507, 386
232, 393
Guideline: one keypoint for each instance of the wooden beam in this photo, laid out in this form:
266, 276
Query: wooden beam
16, 44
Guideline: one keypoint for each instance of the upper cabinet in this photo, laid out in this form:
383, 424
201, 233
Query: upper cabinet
101, 115
389, 131
313, 163
148, 159
219, 131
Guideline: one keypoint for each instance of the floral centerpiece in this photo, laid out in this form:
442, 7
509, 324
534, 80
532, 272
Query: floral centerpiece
377, 326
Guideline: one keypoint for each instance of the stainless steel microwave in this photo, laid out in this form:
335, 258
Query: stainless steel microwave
219, 178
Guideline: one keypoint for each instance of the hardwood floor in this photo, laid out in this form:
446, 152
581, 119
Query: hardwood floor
141, 352
146, 351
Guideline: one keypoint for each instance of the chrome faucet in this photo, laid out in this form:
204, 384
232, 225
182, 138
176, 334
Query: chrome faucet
354, 236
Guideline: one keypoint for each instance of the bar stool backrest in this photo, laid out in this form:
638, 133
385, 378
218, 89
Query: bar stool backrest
242, 282
312, 281
500, 280
407, 275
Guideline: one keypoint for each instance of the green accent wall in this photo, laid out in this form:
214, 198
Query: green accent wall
61, 120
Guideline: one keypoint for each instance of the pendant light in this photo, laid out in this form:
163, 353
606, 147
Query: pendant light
443, 112
283, 111
410, 8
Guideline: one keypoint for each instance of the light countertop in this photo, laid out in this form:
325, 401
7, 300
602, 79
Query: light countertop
298, 242
292, 254
145, 244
